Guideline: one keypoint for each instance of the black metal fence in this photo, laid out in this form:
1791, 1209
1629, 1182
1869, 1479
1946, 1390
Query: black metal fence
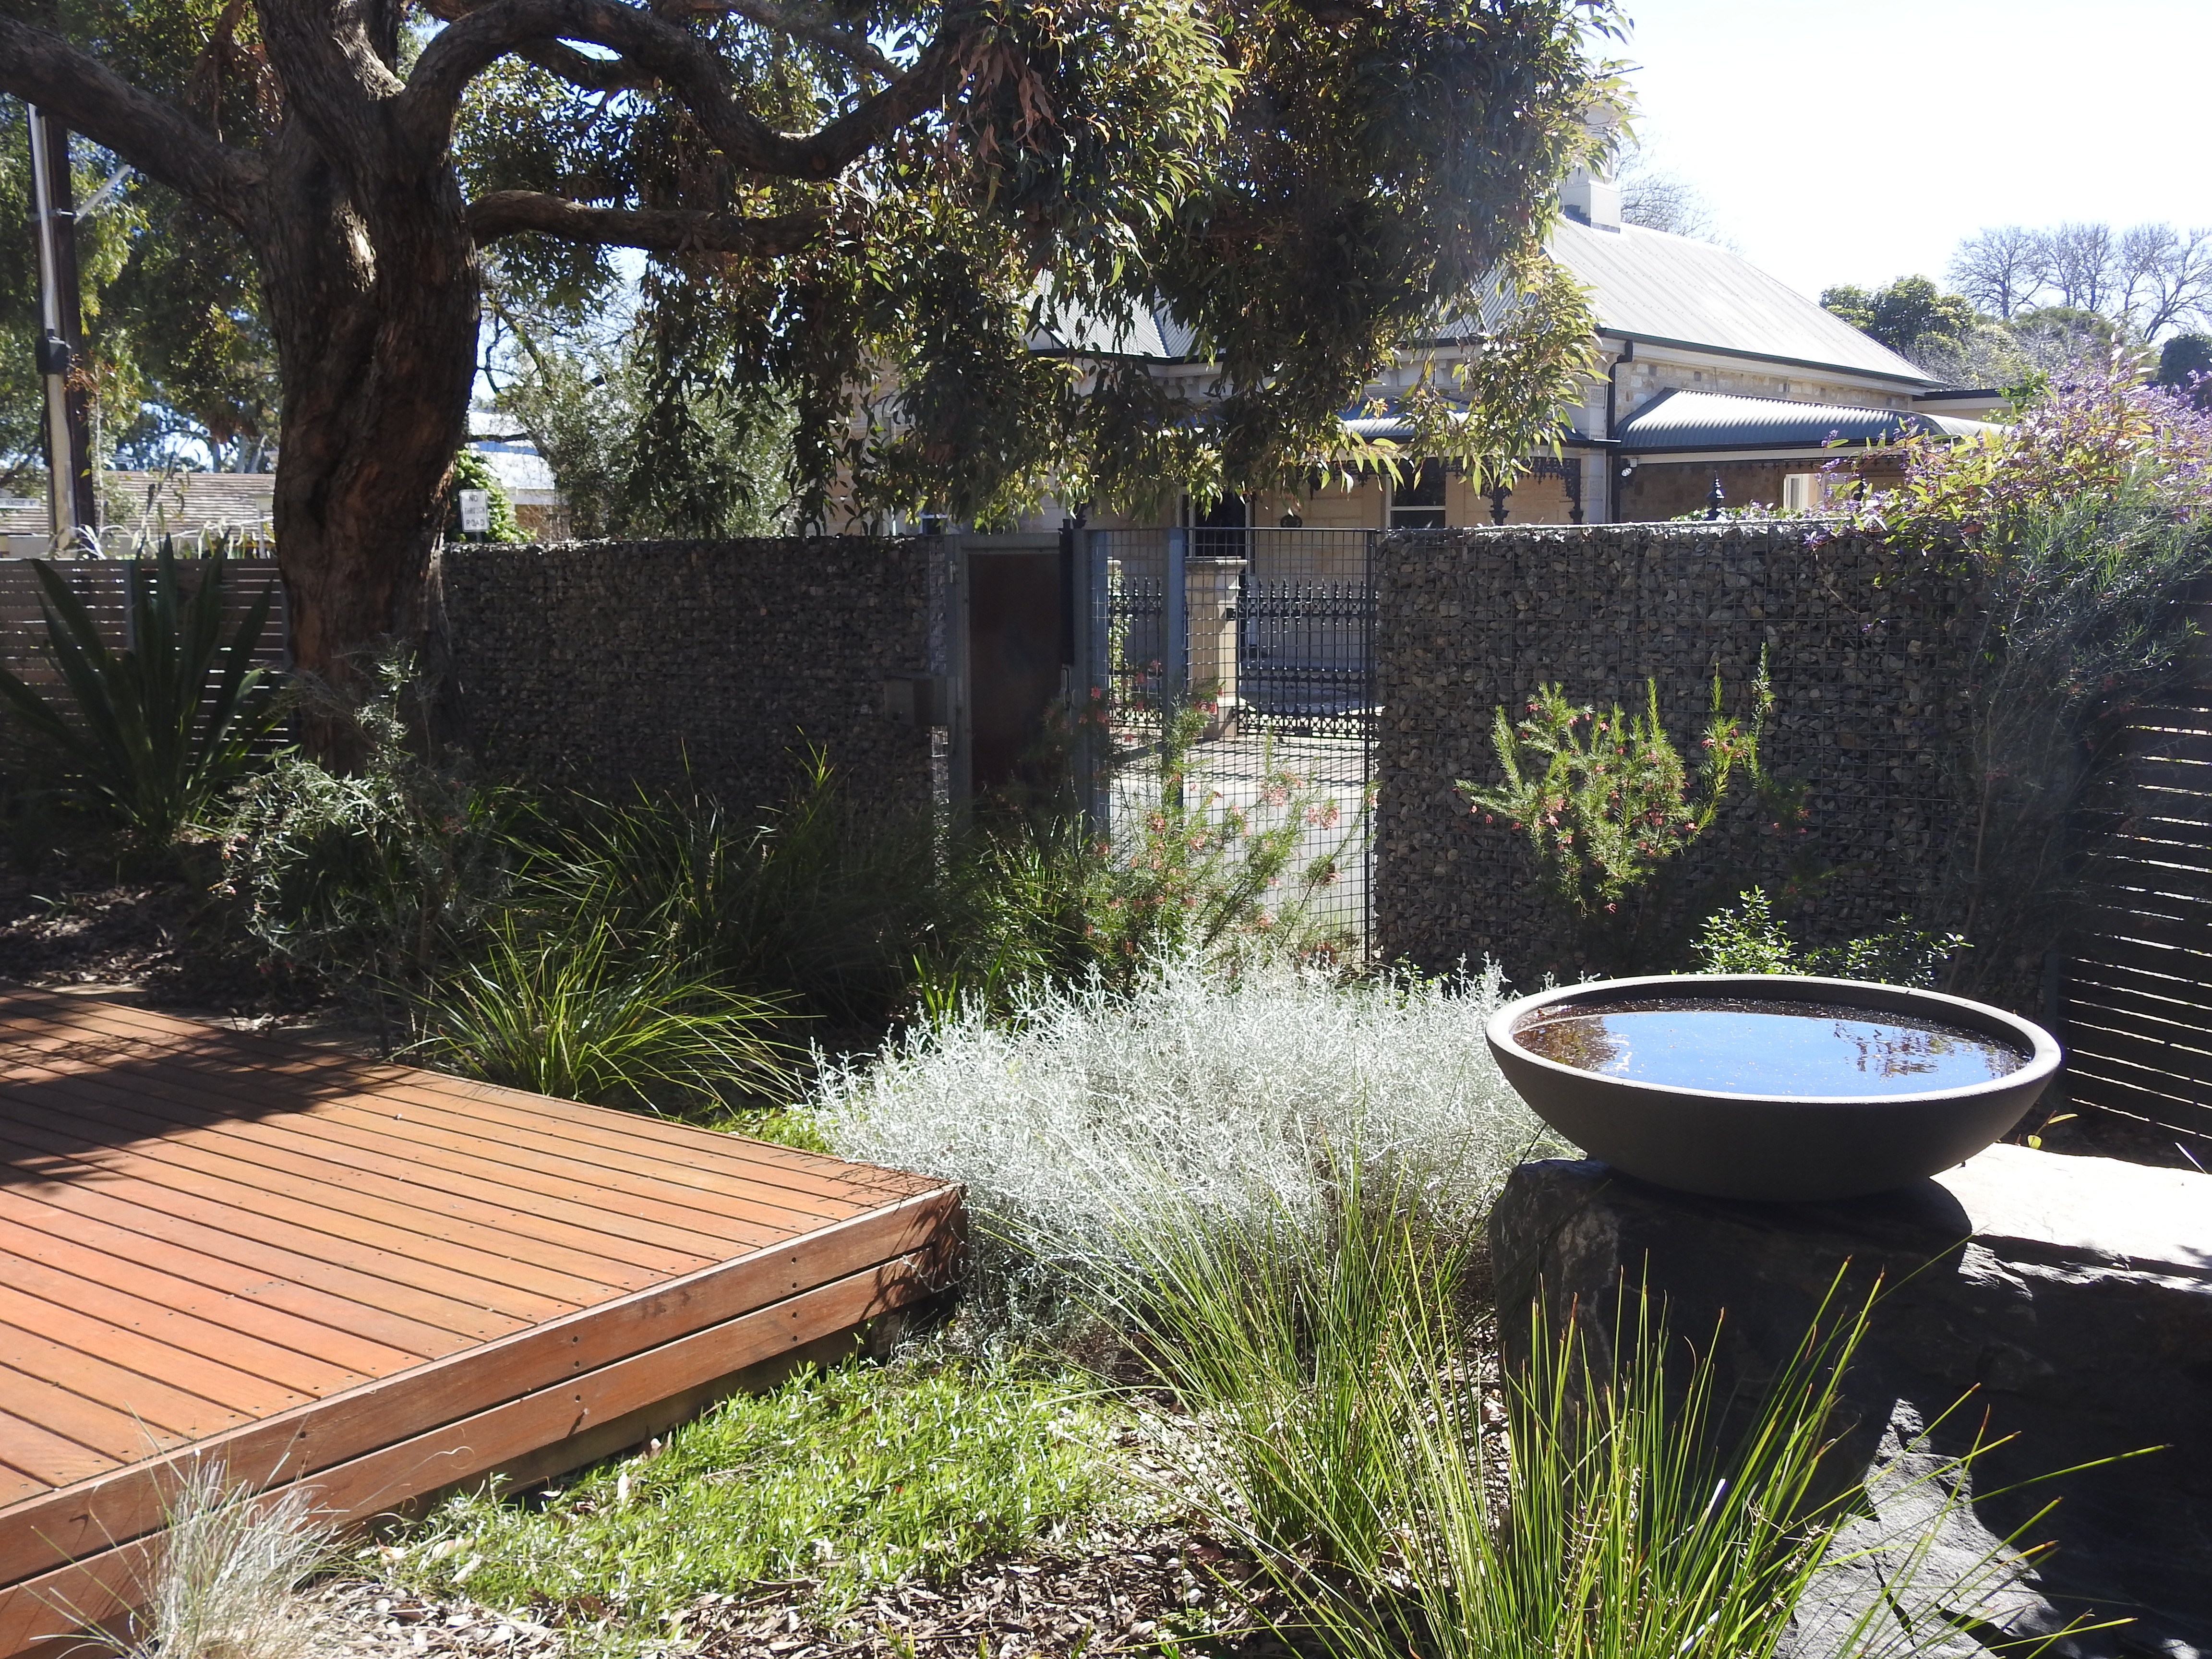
1264, 640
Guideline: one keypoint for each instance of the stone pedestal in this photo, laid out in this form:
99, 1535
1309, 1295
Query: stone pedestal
2067, 1301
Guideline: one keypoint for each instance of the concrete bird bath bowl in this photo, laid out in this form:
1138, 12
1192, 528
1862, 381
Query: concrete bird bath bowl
1772, 1086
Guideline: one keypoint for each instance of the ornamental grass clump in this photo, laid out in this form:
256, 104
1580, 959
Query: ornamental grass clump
583, 1013
1098, 1113
1603, 1498
223, 1572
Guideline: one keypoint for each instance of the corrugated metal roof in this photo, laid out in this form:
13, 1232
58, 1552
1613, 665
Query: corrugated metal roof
1644, 283
181, 502
518, 467
1395, 427
1712, 420
1153, 333
1655, 287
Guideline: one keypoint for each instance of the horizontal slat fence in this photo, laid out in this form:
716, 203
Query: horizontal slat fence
2137, 1003
101, 585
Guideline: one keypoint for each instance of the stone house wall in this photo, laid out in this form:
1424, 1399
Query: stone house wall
714, 664
1861, 655
1644, 377
1659, 491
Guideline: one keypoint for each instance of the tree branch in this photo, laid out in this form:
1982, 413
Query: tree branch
670, 230
586, 73
161, 141
681, 61
854, 49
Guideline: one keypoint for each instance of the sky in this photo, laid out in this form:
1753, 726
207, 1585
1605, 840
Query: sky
1856, 140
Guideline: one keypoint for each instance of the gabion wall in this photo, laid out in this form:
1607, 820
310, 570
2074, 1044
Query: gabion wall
1860, 648
602, 663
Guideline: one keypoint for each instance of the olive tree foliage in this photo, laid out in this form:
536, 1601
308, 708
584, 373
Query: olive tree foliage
867, 207
642, 444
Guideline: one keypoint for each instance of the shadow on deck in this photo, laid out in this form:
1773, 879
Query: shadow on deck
375, 1281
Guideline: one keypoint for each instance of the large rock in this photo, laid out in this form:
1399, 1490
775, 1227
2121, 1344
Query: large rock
2066, 1301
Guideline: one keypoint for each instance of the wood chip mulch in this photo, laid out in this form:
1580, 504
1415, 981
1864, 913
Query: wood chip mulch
162, 942
1134, 1591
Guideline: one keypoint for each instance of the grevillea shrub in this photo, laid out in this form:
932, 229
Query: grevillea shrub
1095, 1113
1608, 807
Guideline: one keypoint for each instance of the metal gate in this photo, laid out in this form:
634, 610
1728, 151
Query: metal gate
1243, 661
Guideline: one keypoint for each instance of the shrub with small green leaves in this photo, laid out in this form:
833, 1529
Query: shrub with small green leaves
834, 1483
375, 879
1748, 938
472, 472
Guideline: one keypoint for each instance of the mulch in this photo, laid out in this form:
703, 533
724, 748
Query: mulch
165, 941
1114, 1590
57, 931
160, 944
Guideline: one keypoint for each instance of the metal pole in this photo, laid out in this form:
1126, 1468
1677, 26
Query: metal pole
69, 472
1174, 621
1083, 710
960, 757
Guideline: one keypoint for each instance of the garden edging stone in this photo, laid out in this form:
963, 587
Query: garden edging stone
2064, 1302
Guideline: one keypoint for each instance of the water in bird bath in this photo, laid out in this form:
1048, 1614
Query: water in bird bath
1738, 1045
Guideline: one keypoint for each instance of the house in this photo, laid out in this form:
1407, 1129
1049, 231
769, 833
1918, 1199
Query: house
137, 509
1714, 380
540, 508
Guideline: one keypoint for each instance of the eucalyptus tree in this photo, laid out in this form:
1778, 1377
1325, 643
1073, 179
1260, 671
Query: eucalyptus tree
871, 205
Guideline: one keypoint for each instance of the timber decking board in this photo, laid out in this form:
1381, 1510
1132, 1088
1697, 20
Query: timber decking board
773, 1173
306, 1263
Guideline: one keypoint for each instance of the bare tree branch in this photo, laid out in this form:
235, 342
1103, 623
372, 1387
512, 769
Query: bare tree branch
674, 230
854, 49
154, 137
2001, 267
686, 65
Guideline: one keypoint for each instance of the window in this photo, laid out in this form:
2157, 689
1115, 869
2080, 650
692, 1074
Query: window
1218, 527
1804, 492
1418, 504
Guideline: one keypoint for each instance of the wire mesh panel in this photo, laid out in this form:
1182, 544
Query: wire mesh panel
1129, 645
1231, 671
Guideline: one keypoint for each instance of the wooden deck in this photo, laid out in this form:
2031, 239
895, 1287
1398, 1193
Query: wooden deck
377, 1279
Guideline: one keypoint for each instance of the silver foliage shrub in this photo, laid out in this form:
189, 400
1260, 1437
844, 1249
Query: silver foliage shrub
1237, 1096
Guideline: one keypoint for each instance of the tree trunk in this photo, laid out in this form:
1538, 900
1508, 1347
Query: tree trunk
374, 310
